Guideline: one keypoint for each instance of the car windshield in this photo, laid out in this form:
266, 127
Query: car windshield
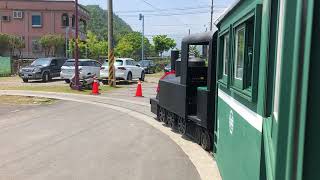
117, 63
69, 63
41, 62
144, 63
81, 63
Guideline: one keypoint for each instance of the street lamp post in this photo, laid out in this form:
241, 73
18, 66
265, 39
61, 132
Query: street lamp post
141, 17
211, 18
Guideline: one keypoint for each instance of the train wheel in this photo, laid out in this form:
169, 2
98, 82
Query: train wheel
197, 135
162, 115
171, 120
182, 125
205, 141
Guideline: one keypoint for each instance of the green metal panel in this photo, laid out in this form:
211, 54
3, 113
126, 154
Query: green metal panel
293, 91
244, 7
312, 143
238, 146
5, 66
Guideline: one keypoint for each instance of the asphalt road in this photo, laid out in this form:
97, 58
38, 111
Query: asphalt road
69, 140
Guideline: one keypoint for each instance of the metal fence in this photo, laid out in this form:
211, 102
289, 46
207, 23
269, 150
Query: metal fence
5, 66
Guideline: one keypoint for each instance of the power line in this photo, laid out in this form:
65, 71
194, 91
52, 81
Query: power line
159, 9
170, 14
172, 9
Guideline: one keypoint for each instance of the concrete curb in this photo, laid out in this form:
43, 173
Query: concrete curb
204, 162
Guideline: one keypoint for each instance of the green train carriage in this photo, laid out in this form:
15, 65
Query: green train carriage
268, 91
263, 90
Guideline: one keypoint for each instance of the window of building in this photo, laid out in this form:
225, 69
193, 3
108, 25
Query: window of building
239, 53
36, 20
5, 18
73, 21
226, 55
65, 20
17, 14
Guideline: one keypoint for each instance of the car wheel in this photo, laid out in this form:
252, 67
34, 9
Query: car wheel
25, 80
129, 76
45, 77
142, 76
67, 81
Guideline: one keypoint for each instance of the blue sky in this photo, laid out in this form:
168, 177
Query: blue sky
175, 26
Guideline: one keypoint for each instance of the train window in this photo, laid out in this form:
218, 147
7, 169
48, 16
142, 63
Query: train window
249, 46
239, 53
226, 54
244, 57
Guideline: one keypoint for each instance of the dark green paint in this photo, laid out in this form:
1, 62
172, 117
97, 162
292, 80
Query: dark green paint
238, 154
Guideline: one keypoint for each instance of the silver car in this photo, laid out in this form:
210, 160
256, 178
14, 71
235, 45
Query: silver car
86, 67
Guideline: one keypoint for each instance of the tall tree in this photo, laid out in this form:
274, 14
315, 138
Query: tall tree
163, 43
130, 46
51, 43
11, 43
96, 48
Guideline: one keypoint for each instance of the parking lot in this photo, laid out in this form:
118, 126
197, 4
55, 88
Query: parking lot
124, 89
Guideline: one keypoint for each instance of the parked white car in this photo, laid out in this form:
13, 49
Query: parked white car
86, 67
126, 69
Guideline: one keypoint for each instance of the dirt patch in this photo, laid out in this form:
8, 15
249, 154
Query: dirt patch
25, 100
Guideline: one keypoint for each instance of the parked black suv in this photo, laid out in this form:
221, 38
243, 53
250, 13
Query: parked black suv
148, 66
42, 68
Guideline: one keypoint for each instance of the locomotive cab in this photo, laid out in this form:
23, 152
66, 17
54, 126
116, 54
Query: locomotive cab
186, 97
200, 76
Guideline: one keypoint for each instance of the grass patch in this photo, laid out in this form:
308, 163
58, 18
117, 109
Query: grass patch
25, 100
10, 79
58, 89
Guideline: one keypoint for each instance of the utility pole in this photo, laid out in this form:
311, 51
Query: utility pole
112, 81
141, 17
211, 21
67, 38
76, 86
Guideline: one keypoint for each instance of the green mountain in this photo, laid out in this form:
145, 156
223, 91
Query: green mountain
98, 23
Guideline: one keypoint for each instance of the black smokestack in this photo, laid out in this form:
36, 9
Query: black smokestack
174, 57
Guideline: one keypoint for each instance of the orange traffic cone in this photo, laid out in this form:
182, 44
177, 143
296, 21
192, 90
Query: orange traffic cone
95, 87
139, 90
